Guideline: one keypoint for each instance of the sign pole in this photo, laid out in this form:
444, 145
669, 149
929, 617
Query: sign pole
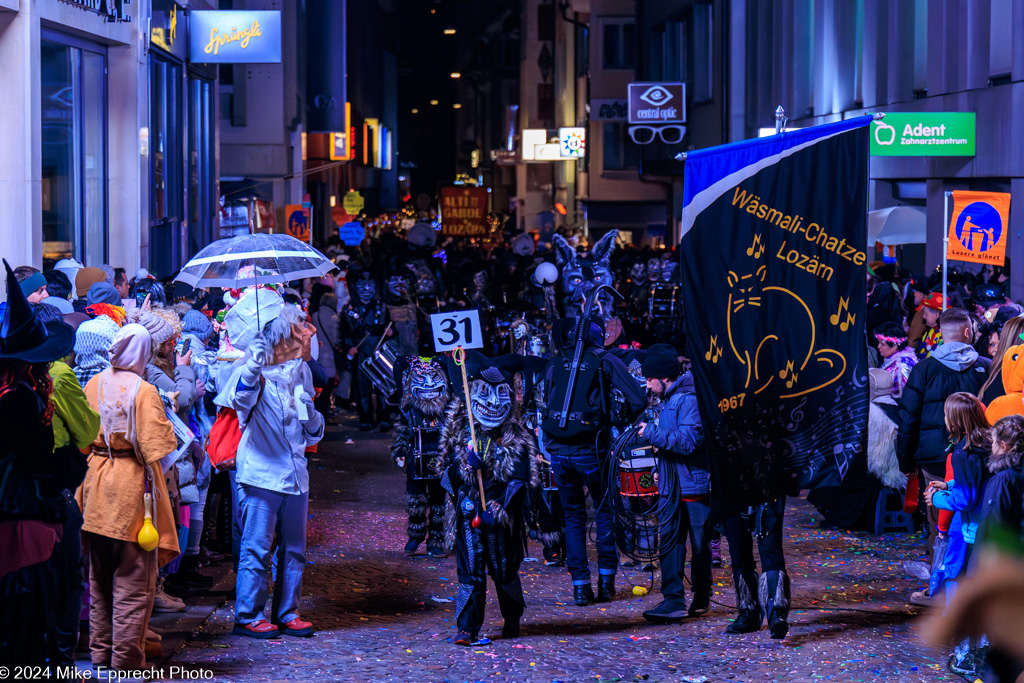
945, 243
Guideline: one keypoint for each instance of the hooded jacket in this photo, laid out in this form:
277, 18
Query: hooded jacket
922, 437
679, 438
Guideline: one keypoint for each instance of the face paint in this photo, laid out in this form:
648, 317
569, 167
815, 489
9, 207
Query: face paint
491, 404
366, 290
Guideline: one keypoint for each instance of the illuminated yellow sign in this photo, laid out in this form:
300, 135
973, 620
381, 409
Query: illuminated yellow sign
227, 37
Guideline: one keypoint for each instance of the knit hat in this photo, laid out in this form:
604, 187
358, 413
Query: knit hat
661, 362
86, 278
197, 324
32, 283
171, 317
69, 267
103, 293
92, 347
159, 329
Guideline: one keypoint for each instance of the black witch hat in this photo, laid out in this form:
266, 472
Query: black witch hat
23, 337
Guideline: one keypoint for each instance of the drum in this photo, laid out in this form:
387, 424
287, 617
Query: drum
547, 477
636, 474
426, 459
664, 301
426, 466
380, 369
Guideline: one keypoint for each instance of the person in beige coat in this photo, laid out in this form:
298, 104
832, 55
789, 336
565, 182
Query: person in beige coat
124, 465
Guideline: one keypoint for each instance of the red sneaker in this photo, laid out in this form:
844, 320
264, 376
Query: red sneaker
261, 630
296, 628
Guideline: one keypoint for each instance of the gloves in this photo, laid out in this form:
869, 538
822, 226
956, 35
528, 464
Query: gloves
487, 517
257, 356
473, 457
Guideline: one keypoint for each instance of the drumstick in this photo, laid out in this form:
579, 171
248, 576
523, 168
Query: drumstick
459, 356
546, 462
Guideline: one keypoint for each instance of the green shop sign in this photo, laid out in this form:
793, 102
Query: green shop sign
925, 134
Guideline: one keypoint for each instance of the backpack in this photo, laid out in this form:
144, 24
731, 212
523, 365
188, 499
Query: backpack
225, 435
583, 417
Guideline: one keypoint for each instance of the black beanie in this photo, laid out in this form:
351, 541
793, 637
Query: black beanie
660, 364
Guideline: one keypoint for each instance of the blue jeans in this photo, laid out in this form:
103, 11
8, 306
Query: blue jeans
576, 467
264, 514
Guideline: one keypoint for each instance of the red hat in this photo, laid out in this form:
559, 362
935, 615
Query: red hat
932, 301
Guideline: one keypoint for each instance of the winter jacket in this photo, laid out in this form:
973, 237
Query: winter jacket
922, 437
184, 382
1003, 501
964, 493
679, 438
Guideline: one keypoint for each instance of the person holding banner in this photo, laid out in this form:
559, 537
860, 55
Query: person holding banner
490, 460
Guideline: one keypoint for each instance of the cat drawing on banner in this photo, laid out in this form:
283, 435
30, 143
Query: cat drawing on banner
785, 353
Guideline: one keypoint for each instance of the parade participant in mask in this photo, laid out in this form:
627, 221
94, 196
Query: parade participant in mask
399, 299
579, 443
581, 273
272, 390
363, 322
416, 449
505, 455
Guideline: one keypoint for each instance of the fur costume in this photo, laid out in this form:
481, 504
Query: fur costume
425, 499
496, 547
882, 461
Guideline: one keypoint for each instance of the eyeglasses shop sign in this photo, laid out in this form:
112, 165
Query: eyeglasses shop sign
230, 37
654, 103
924, 134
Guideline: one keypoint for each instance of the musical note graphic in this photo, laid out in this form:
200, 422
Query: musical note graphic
840, 392
756, 249
844, 305
715, 352
788, 372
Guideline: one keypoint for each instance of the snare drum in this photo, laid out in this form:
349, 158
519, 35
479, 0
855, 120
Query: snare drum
380, 369
664, 301
426, 466
636, 474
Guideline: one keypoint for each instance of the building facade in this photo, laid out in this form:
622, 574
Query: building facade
95, 162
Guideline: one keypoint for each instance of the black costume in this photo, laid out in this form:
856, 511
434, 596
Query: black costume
416, 449
767, 597
578, 450
496, 545
362, 323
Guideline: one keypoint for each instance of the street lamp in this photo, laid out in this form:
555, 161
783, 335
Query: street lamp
456, 106
433, 103
455, 74
449, 32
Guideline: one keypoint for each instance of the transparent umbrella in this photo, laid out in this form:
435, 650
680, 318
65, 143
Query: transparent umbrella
257, 259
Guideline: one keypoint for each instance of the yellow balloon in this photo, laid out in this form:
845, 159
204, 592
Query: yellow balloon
639, 590
149, 538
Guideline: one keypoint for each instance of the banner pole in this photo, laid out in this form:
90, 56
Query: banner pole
945, 243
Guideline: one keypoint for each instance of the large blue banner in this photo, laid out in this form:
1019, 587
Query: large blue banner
774, 267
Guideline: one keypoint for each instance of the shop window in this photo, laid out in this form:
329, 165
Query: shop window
166, 206
619, 44
200, 164
73, 149
619, 152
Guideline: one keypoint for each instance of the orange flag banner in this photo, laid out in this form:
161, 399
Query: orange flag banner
979, 226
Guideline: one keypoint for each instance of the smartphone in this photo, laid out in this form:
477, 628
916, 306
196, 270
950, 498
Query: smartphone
183, 346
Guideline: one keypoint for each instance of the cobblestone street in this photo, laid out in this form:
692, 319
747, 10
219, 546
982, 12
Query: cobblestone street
382, 616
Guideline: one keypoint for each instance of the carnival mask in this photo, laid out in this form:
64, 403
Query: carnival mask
366, 290
582, 273
668, 269
654, 269
635, 369
520, 328
490, 403
427, 382
425, 282
398, 286
480, 281
538, 346
638, 272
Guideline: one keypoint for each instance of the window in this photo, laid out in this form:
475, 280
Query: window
619, 44
73, 94
619, 152
167, 175
200, 164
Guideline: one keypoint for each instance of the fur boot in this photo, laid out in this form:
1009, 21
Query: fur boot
774, 593
749, 618
417, 509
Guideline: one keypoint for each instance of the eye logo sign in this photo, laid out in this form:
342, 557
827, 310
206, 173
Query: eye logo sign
882, 130
656, 96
